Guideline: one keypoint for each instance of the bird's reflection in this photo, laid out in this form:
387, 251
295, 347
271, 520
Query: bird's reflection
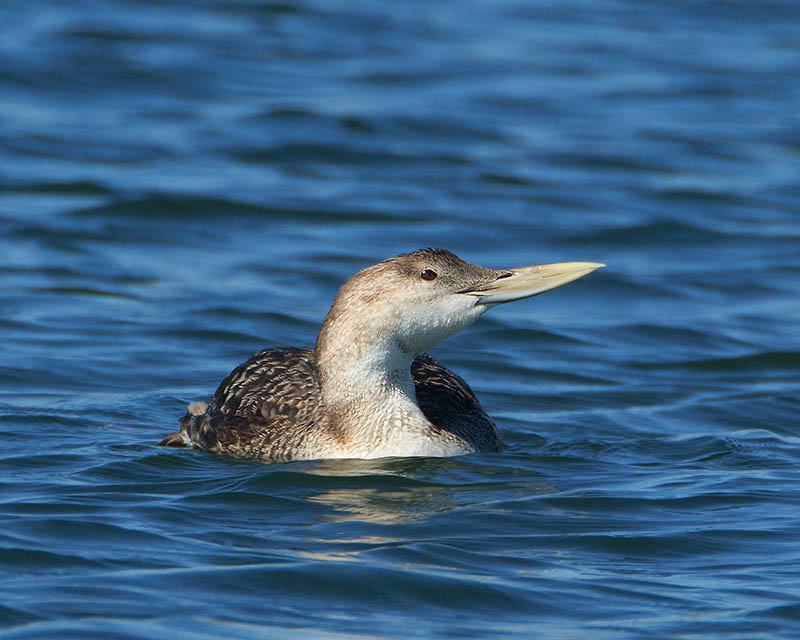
392, 490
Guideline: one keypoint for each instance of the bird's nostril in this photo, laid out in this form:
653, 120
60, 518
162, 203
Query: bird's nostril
506, 274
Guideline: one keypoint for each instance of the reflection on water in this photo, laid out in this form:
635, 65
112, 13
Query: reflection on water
406, 499
384, 507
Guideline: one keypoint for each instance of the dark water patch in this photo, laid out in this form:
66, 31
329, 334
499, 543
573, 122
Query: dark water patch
21, 561
406, 78
290, 113
539, 336
60, 272
85, 150
33, 414
13, 617
17, 465
688, 338
678, 546
66, 505
190, 209
629, 509
605, 162
330, 154
36, 274
228, 313
521, 104
148, 460
773, 362
527, 375
115, 628
656, 234
699, 196
83, 534
789, 612
76, 291
204, 336
110, 35
603, 398
72, 188
320, 581
509, 180
447, 129
171, 207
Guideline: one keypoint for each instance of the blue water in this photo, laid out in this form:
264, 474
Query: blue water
185, 183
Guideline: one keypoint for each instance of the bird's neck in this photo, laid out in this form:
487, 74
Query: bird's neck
362, 369
366, 385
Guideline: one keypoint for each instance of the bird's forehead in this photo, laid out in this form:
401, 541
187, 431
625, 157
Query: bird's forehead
446, 263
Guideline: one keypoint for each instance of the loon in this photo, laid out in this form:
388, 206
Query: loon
368, 389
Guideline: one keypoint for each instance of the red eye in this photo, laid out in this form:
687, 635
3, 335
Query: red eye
428, 274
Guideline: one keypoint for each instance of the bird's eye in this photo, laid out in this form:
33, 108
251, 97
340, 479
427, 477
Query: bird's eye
428, 274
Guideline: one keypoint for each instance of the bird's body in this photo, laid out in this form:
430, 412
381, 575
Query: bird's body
272, 407
368, 390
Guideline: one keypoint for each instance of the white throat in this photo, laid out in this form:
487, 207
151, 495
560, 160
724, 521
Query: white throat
373, 373
364, 356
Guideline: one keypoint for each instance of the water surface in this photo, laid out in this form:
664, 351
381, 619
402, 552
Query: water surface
184, 183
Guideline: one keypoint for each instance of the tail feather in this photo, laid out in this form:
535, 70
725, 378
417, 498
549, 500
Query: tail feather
197, 408
174, 440
181, 438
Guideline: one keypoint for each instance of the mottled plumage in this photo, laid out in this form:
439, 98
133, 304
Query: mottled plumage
271, 407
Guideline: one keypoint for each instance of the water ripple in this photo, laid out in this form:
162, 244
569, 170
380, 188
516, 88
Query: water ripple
190, 183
